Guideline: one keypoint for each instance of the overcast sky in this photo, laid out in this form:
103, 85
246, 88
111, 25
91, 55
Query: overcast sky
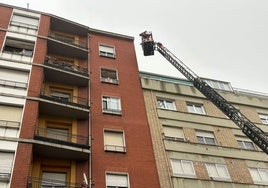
219, 39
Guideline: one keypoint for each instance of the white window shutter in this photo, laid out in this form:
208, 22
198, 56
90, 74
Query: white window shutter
25, 20
6, 161
120, 180
108, 49
173, 132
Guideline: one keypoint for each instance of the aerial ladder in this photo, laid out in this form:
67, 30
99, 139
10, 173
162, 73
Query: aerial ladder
248, 128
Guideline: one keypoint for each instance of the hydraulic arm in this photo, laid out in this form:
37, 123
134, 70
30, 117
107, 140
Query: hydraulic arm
248, 128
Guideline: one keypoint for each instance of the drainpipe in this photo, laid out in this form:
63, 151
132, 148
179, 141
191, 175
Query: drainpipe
89, 120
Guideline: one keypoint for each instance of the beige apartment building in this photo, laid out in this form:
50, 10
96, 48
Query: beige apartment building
195, 144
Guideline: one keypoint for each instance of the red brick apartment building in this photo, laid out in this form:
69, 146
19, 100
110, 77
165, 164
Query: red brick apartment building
71, 106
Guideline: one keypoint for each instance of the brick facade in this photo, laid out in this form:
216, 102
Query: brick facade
225, 137
139, 152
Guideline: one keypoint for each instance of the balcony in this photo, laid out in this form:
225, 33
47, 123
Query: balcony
63, 47
63, 105
61, 137
67, 40
35, 182
65, 73
49, 143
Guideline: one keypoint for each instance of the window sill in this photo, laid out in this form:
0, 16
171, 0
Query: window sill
183, 176
174, 110
220, 179
114, 151
112, 112
109, 81
107, 56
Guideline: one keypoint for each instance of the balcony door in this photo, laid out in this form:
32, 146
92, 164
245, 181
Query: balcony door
58, 134
53, 180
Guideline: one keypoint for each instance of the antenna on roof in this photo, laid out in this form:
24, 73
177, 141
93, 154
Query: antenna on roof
28, 5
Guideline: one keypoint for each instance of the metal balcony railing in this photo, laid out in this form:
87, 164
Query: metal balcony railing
67, 40
35, 182
53, 62
70, 100
62, 137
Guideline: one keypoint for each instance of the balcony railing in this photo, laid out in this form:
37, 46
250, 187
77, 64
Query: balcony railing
70, 100
61, 138
53, 62
67, 40
34, 182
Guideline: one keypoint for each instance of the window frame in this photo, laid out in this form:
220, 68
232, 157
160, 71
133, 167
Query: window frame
108, 147
47, 182
16, 44
61, 93
167, 103
5, 172
219, 85
262, 182
108, 79
182, 162
123, 174
218, 177
111, 110
243, 141
22, 24
196, 106
264, 118
204, 135
103, 53
179, 136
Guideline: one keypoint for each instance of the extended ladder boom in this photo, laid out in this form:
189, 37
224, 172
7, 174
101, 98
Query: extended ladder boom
249, 128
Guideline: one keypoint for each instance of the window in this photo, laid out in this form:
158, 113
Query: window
111, 105
182, 168
245, 143
60, 95
53, 180
24, 21
173, 133
13, 79
6, 162
219, 84
218, 171
114, 180
166, 104
107, 51
259, 175
58, 134
109, 76
195, 108
18, 46
62, 37
264, 118
114, 141
205, 138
